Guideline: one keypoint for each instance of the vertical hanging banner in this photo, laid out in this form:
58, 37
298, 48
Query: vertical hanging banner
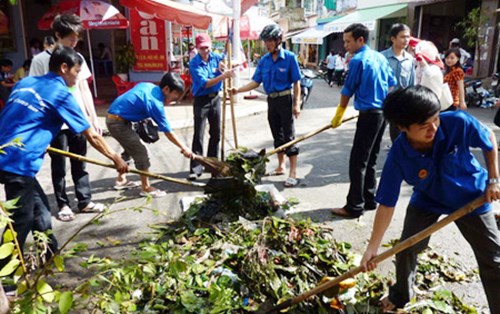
148, 38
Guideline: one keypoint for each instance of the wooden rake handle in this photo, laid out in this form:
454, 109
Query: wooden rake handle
109, 165
386, 254
306, 136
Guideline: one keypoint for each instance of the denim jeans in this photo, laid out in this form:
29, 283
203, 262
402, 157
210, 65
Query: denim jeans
33, 210
206, 108
77, 144
480, 231
362, 163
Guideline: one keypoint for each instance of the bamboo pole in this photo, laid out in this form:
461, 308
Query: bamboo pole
411, 241
306, 136
136, 171
223, 128
231, 97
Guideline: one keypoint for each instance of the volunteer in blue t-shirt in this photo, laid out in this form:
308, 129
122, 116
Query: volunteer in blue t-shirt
34, 114
368, 80
145, 100
205, 70
278, 71
433, 155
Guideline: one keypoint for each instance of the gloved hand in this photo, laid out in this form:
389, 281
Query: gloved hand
337, 119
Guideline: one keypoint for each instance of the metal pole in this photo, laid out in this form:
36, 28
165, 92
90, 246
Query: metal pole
25, 49
236, 41
92, 64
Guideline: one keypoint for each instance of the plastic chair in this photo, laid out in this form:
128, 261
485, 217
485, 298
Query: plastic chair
121, 85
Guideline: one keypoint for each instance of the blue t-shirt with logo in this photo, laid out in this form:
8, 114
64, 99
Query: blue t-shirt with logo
145, 100
277, 75
202, 71
37, 108
444, 179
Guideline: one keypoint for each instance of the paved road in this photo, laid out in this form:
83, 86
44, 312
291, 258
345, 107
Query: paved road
323, 169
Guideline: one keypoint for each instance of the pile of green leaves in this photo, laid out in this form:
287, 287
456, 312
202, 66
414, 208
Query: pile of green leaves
213, 270
234, 195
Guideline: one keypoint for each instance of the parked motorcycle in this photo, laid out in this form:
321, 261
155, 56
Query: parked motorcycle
477, 96
306, 85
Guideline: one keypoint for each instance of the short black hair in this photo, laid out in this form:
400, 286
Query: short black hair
27, 63
62, 55
67, 24
414, 104
6, 62
173, 81
358, 30
49, 40
397, 28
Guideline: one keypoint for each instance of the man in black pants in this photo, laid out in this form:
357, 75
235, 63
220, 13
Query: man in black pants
205, 69
370, 78
278, 71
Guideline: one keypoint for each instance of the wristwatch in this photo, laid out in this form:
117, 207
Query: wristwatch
493, 180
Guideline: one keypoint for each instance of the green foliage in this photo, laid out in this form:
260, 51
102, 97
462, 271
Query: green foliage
471, 26
125, 58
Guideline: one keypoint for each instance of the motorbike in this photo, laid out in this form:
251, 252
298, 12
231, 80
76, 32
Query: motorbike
306, 85
477, 96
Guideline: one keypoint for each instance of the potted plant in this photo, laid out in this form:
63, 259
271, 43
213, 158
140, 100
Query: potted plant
125, 60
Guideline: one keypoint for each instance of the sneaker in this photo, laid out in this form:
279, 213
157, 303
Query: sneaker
153, 193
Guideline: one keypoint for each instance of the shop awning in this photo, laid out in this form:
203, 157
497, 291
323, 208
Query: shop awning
313, 35
367, 17
167, 10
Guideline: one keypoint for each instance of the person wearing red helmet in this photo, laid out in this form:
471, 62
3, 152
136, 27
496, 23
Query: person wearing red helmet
205, 69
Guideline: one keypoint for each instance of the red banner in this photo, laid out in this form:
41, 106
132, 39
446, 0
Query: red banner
148, 39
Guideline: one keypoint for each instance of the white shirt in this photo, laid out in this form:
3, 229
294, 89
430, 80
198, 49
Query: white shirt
40, 66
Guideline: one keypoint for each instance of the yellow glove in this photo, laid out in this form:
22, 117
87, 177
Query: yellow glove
337, 119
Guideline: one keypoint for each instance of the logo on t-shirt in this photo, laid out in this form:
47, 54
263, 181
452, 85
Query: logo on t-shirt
422, 174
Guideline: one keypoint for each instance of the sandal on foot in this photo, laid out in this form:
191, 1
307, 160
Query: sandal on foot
93, 208
126, 186
153, 193
291, 182
65, 214
386, 306
274, 173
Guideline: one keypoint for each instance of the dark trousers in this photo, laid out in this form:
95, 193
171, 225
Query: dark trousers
206, 108
77, 144
338, 77
330, 75
483, 236
280, 118
33, 210
362, 163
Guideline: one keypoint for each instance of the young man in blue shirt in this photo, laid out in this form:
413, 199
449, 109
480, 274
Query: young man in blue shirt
67, 28
433, 155
369, 79
207, 83
145, 100
34, 114
279, 72
400, 61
